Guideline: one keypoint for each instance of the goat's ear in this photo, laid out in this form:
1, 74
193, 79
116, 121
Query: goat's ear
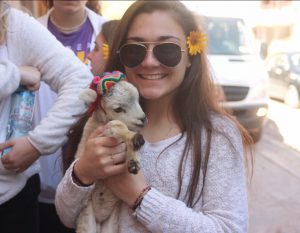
88, 96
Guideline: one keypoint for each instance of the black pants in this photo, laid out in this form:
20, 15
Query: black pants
20, 214
49, 220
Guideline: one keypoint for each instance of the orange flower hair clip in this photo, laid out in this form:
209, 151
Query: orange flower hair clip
105, 51
196, 42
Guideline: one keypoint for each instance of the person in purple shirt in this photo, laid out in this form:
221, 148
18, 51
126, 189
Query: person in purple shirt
76, 27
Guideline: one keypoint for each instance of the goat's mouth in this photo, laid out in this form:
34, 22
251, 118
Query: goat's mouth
136, 127
139, 125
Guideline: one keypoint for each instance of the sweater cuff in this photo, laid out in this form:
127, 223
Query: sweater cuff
75, 186
150, 209
33, 144
77, 192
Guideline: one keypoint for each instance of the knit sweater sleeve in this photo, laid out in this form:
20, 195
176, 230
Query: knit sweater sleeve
60, 69
224, 200
10, 78
71, 198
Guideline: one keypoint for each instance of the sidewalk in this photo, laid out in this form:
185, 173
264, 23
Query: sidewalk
275, 192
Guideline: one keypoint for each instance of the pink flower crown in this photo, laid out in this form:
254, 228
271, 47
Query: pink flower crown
102, 84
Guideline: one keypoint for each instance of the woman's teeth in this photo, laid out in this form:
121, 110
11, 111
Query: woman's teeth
152, 76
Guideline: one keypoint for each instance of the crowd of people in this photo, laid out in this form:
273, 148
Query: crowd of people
193, 175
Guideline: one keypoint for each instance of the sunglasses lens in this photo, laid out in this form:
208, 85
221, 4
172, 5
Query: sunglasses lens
132, 55
168, 54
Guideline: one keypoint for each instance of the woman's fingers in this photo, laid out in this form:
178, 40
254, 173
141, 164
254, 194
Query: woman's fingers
107, 144
6, 159
6, 144
29, 75
118, 158
115, 169
33, 87
97, 132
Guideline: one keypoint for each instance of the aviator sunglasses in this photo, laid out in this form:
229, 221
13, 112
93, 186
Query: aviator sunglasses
133, 54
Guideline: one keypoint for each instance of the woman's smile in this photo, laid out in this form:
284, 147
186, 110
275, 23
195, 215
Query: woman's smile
152, 76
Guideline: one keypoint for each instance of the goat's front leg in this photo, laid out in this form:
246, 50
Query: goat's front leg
118, 129
136, 142
133, 141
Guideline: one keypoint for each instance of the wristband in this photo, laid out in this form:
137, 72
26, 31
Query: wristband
140, 198
77, 180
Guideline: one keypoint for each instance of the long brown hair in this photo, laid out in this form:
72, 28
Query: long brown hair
75, 132
197, 91
108, 30
74, 136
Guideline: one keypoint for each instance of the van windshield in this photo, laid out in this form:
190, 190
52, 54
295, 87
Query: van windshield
228, 36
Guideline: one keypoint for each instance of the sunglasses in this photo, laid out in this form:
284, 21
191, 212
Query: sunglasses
168, 54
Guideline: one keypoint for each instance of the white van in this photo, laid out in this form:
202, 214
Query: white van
238, 69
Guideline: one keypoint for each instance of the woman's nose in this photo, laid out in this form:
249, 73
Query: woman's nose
150, 59
89, 56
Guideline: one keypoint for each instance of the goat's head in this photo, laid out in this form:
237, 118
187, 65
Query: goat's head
115, 100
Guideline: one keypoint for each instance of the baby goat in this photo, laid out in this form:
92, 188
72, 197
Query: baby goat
116, 102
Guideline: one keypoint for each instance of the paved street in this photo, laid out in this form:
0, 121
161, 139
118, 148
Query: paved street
275, 192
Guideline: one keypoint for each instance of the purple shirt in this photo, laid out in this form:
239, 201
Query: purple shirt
79, 41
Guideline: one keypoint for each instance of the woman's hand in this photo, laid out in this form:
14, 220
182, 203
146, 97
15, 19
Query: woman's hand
21, 156
102, 157
30, 78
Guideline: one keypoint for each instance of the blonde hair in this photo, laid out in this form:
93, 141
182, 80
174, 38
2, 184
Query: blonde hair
4, 7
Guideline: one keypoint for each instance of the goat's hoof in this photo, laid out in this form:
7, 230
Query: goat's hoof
138, 141
133, 166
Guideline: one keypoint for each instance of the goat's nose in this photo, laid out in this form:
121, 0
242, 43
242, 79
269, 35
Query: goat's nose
144, 120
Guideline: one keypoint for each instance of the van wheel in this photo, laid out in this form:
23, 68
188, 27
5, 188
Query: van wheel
292, 97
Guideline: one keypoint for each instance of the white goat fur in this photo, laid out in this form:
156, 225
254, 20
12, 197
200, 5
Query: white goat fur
102, 210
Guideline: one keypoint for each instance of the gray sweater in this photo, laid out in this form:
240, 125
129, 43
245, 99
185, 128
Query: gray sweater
222, 207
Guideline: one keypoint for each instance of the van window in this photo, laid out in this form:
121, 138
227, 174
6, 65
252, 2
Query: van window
295, 60
228, 36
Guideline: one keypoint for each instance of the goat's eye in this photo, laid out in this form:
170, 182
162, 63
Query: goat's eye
118, 110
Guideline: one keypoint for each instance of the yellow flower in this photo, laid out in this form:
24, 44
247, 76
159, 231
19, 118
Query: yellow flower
105, 50
196, 42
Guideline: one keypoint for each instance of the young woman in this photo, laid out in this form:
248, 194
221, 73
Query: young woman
99, 55
76, 27
24, 42
192, 177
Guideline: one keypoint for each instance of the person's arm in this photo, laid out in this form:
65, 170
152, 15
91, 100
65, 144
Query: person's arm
70, 198
224, 199
30, 78
94, 163
22, 155
65, 74
10, 78
13, 76
30, 44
